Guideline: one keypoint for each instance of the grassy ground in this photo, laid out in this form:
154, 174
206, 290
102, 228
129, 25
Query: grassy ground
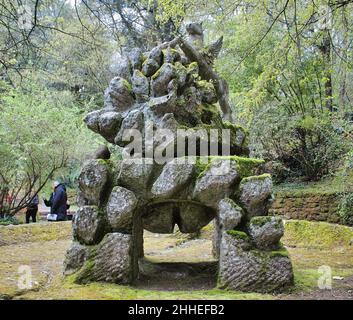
42, 247
337, 183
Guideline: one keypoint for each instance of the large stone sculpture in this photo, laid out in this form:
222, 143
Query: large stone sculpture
165, 89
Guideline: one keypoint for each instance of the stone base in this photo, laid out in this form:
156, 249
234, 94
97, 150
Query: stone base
110, 260
108, 234
241, 268
75, 258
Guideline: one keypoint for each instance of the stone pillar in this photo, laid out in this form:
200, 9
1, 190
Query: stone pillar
251, 257
103, 244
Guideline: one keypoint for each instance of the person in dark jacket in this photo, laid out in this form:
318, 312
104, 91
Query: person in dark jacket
32, 209
58, 202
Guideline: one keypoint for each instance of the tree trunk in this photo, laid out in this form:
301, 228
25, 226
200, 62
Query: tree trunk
325, 50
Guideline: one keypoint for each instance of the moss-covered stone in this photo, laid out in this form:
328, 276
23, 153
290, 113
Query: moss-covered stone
127, 84
279, 253
240, 235
238, 135
193, 67
170, 55
181, 72
156, 74
210, 114
85, 273
256, 178
245, 166
260, 220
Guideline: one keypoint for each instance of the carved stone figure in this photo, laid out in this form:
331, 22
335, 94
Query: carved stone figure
121, 198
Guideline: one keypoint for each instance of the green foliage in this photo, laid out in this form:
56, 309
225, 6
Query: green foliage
308, 146
8, 220
41, 132
346, 209
286, 79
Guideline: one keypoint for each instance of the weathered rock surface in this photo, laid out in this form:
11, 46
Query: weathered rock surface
118, 96
173, 179
228, 217
255, 194
109, 123
106, 124
135, 175
193, 218
134, 121
216, 182
75, 258
266, 232
88, 225
140, 86
120, 208
92, 120
252, 270
159, 218
150, 67
207, 92
161, 79
136, 58
164, 104
156, 54
112, 261
229, 214
171, 55
93, 180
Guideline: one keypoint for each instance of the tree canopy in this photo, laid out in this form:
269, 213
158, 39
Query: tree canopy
288, 64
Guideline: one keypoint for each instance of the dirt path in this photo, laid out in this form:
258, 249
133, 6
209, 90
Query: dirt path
342, 290
43, 258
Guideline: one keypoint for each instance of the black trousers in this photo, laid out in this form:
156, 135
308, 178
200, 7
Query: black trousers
31, 213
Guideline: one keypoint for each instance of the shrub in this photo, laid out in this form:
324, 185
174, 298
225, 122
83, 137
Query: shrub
8, 220
306, 146
346, 209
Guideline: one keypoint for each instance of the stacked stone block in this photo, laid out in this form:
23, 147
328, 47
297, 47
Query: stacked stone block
118, 199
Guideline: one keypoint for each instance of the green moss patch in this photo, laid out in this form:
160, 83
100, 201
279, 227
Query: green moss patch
35, 232
156, 74
193, 68
85, 272
300, 233
256, 178
240, 235
106, 291
279, 253
127, 84
260, 220
245, 166
332, 185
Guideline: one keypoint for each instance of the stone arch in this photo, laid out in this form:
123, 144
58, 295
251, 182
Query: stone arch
174, 88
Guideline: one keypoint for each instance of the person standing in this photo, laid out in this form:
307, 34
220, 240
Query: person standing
32, 209
59, 202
